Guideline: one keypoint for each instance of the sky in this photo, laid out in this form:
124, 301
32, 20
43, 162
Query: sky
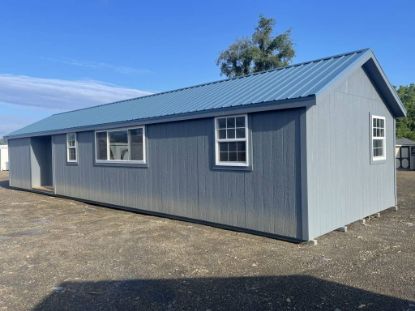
62, 55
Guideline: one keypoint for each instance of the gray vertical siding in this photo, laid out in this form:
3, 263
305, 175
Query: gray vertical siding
343, 184
19, 161
181, 179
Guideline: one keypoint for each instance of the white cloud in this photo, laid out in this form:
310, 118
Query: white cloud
60, 94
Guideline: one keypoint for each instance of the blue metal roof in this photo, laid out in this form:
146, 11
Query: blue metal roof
292, 82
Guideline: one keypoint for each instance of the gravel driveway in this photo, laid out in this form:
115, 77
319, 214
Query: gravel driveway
59, 254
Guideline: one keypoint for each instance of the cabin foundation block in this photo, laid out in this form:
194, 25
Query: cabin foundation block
312, 242
342, 229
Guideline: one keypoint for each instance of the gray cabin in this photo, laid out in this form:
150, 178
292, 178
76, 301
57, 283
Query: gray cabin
291, 153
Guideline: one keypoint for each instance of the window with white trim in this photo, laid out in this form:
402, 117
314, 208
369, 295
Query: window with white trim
71, 148
378, 138
231, 140
120, 145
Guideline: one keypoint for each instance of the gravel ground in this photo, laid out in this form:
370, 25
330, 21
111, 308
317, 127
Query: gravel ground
58, 254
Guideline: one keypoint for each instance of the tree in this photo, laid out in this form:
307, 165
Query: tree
261, 52
237, 60
405, 127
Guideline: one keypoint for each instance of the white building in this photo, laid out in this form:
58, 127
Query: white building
4, 158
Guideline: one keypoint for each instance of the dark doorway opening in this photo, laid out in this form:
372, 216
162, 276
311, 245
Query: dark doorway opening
41, 158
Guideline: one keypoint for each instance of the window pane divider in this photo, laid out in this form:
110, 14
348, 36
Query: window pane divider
229, 140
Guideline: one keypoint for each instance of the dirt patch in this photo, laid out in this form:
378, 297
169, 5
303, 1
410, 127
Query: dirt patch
58, 254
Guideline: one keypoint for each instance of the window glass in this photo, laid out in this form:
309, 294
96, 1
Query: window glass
230, 133
230, 123
136, 140
240, 133
102, 145
222, 134
240, 122
71, 140
118, 145
222, 123
72, 154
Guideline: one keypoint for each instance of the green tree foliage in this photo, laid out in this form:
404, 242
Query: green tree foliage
262, 52
405, 127
2, 141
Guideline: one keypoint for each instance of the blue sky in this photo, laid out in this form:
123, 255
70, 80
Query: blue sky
62, 55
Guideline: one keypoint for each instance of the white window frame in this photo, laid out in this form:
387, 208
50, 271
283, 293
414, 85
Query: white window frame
144, 161
218, 140
71, 147
382, 157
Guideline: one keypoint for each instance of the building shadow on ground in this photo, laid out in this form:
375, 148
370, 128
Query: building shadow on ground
4, 184
294, 292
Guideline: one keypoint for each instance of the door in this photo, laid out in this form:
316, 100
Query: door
403, 158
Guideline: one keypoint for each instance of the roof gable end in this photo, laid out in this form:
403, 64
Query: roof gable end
368, 62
